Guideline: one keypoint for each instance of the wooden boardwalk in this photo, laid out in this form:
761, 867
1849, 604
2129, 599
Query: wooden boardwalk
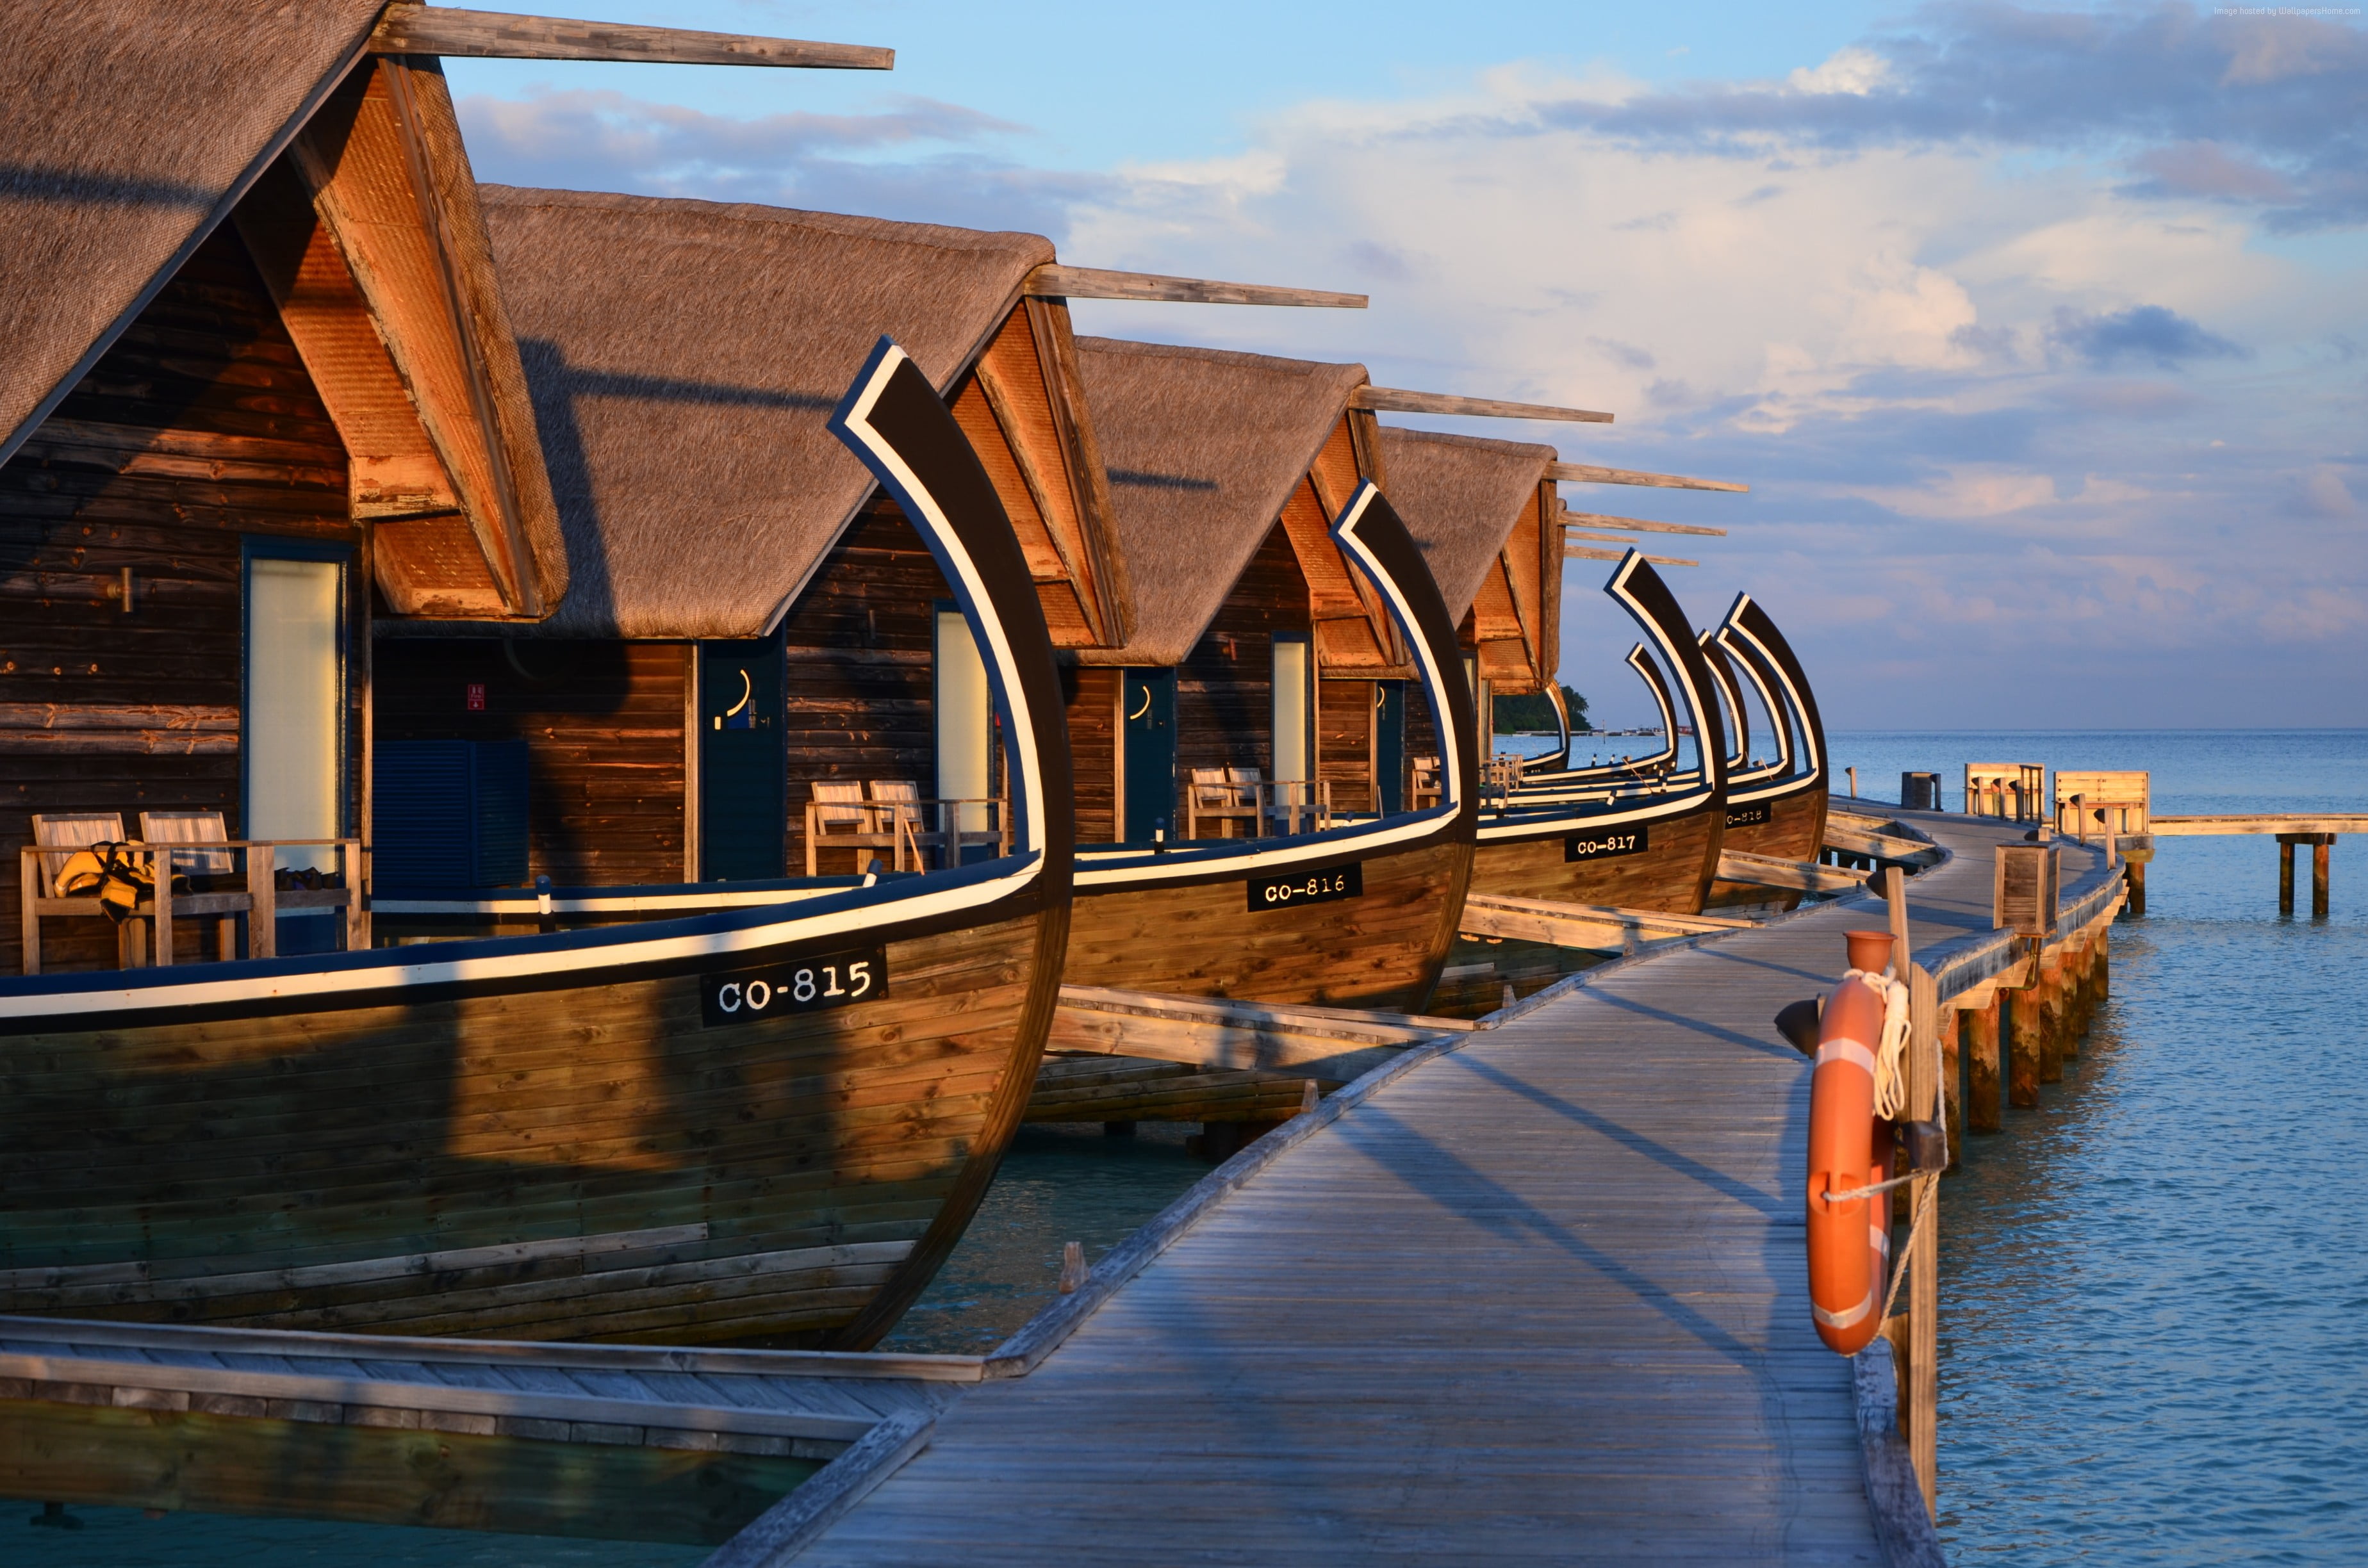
1541, 1299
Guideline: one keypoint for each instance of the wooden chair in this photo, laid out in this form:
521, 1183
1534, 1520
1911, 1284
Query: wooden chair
64, 833
1213, 796
1425, 791
837, 814
204, 868
899, 815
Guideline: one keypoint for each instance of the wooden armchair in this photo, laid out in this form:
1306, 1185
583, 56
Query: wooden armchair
1426, 789
836, 815
1213, 796
1291, 806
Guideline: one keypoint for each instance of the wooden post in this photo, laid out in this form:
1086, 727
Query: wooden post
2048, 995
1982, 1110
2285, 873
1952, 1091
2023, 1025
1073, 1266
2137, 887
1924, 1094
263, 898
30, 886
2104, 985
160, 891
2321, 853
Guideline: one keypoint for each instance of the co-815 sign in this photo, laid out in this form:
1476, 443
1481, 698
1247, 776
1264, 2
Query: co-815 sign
807, 984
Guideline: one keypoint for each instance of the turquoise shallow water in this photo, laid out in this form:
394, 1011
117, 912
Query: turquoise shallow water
2154, 1286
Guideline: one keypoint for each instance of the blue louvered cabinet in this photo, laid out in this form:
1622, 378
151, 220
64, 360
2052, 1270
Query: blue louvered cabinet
448, 814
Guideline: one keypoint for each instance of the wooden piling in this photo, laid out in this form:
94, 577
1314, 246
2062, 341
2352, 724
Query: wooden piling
2321, 853
2047, 996
2286, 872
2022, 1031
1953, 1081
2073, 998
2137, 870
1982, 1110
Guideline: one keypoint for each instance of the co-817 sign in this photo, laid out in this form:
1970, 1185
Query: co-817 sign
811, 983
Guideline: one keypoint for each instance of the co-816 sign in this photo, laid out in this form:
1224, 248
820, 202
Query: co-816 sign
807, 984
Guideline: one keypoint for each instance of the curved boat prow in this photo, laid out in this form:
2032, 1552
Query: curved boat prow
1779, 814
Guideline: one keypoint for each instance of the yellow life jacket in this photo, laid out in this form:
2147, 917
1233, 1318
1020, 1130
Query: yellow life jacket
119, 880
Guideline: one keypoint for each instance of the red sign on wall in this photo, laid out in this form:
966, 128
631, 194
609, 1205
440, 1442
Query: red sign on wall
476, 697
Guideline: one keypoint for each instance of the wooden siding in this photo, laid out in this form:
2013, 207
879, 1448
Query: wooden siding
199, 426
603, 727
1344, 739
860, 660
1224, 692
1090, 693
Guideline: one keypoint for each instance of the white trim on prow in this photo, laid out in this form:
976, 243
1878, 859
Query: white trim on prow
1434, 678
1670, 656
969, 589
1800, 710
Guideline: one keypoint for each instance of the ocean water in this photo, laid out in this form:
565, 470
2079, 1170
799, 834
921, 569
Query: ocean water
2153, 1331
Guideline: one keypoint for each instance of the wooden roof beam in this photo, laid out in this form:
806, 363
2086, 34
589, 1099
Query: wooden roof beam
1637, 525
1395, 400
408, 28
1605, 539
1579, 552
1057, 282
1588, 473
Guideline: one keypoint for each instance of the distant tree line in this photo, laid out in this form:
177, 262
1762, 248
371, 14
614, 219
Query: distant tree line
1533, 712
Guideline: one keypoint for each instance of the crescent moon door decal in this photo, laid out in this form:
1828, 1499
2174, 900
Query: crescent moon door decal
1144, 708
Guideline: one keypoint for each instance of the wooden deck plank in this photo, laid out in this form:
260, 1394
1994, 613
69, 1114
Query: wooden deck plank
1537, 1300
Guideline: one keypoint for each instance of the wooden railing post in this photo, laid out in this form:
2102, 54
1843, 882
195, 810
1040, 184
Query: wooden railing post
1919, 1380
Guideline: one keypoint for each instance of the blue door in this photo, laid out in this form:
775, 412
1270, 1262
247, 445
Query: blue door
1389, 746
743, 766
1148, 743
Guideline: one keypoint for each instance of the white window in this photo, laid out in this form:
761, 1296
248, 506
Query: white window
295, 696
1291, 707
965, 716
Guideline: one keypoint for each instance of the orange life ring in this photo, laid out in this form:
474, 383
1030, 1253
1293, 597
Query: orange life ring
1849, 1240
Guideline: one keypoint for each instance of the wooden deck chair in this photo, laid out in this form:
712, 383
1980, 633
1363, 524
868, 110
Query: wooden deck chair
207, 870
1426, 783
901, 817
837, 814
38, 876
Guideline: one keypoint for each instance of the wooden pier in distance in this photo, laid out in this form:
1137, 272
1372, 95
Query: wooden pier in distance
1529, 1292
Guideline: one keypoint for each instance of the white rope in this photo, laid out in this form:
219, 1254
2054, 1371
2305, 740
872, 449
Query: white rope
1849, 1194
1907, 1253
1891, 1057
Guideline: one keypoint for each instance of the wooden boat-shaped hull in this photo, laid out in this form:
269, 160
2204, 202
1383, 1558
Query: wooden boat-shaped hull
771, 1121
1359, 915
590, 1161
1672, 875
1381, 948
1549, 839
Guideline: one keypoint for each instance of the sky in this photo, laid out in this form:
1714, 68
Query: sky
2040, 334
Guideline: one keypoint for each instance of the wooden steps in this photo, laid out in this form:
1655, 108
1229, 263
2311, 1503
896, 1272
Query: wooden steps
1791, 876
1599, 927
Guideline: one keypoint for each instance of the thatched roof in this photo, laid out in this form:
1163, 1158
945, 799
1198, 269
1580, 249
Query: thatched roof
1202, 448
683, 357
130, 125
1460, 496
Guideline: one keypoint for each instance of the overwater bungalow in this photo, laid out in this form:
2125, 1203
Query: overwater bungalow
1648, 838
1258, 709
267, 406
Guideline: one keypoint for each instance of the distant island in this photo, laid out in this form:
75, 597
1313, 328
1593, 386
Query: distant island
1533, 712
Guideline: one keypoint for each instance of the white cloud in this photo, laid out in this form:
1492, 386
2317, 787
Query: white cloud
1855, 71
